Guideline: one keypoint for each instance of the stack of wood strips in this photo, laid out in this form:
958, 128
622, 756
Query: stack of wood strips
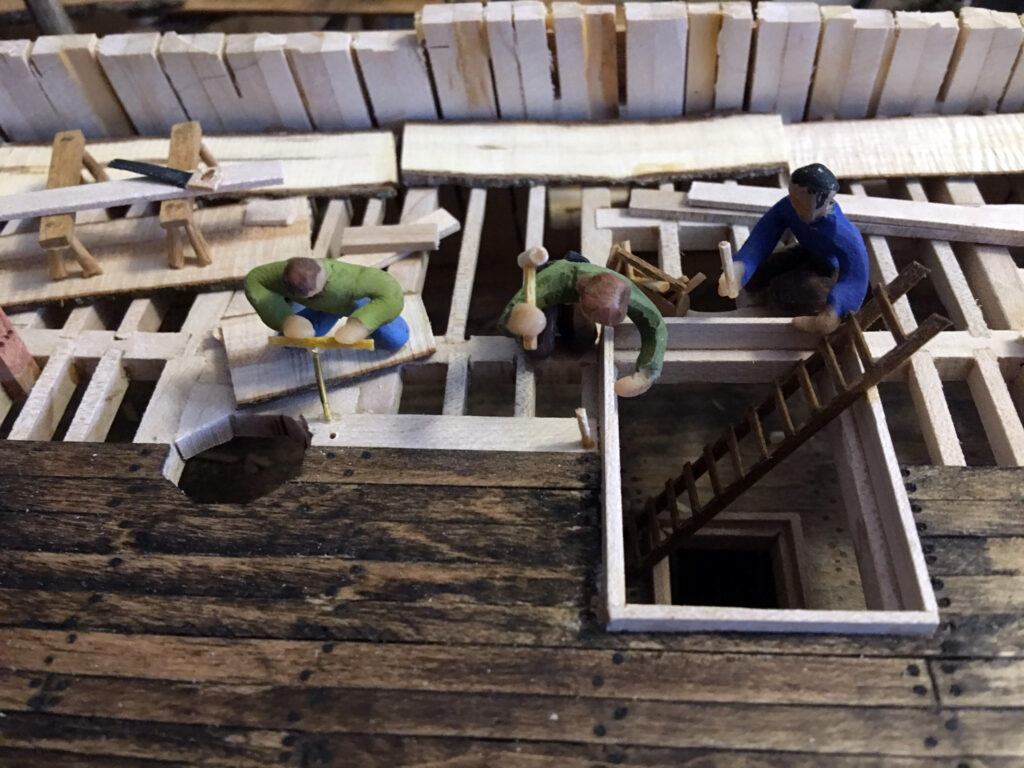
561, 61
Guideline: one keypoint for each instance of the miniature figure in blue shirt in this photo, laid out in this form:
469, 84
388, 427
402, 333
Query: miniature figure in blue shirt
823, 277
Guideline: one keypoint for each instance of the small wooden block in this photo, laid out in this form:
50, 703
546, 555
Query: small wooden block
396, 237
264, 212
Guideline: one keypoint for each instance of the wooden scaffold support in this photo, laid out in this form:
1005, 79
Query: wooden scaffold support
176, 216
654, 535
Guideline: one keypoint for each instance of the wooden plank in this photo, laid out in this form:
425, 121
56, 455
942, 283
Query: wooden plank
982, 61
924, 45
130, 64
392, 237
655, 59
455, 40
260, 372
933, 412
195, 66
315, 164
49, 397
101, 401
465, 272
262, 75
325, 73
998, 416
705, 20
394, 70
912, 146
519, 153
520, 59
786, 43
134, 256
734, 39
67, 70
585, 52
908, 218
26, 113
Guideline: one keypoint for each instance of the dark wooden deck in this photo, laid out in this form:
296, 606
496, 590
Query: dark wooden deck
394, 608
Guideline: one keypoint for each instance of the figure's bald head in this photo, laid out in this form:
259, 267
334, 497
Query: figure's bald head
604, 298
303, 277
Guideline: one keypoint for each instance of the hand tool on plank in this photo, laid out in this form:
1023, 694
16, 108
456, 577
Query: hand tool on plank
315, 344
206, 179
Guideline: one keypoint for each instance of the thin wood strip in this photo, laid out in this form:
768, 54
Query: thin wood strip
892, 322
101, 400
807, 386
783, 410
734, 452
691, 488
758, 431
860, 344
712, 469
465, 272
835, 370
673, 501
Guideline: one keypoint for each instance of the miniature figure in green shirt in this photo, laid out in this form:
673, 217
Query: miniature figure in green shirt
604, 297
305, 297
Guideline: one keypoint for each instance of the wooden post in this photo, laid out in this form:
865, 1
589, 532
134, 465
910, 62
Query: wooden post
57, 232
18, 369
176, 215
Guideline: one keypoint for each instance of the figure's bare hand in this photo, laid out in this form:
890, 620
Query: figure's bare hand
731, 291
631, 386
821, 324
526, 320
297, 327
351, 332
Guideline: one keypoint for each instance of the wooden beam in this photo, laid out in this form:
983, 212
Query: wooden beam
325, 71
786, 41
455, 39
49, 397
986, 50
734, 40
508, 153
394, 237
655, 59
107, 194
394, 70
920, 58
101, 400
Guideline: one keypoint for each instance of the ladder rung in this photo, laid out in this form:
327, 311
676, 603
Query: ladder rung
734, 451
892, 322
652, 522
783, 409
807, 386
828, 356
758, 430
673, 504
709, 460
691, 488
860, 343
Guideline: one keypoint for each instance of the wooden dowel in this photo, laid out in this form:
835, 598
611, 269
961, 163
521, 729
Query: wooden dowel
709, 460
89, 265
828, 356
691, 488
783, 409
734, 452
892, 322
807, 386
860, 344
758, 431
199, 245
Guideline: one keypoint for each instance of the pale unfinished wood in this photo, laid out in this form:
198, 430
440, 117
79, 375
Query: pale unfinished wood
525, 405
595, 242
921, 53
101, 400
998, 415
733, 55
134, 257
142, 315
1013, 97
669, 258
196, 68
517, 153
411, 272
107, 194
456, 42
336, 217
205, 419
786, 41
655, 59
325, 72
705, 20
855, 47
260, 372
394, 70
266, 212
585, 52
66, 67
393, 237
711, 201
465, 272
26, 113
130, 64
911, 146
314, 164
445, 223
264, 79
49, 397
520, 59
985, 52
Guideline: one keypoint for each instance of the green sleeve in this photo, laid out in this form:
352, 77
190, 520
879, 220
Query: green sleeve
261, 286
653, 333
555, 285
385, 294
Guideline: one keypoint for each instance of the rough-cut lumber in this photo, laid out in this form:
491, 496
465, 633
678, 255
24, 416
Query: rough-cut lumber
785, 44
394, 70
499, 154
446, 225
982, 61
1002, 225
260, 371
26, 114
131, 65
911, 146
585, 52
655, 59
920, 56
733, 55
107, 194
262, 75
520, 59
196, 68
394, 237
455, 38
325, 72
101, 400
705, 20
69, 73
134, 256
314, 164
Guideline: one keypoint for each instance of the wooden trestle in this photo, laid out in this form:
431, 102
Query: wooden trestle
648, 543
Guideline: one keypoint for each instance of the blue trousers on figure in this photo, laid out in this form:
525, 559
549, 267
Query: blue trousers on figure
390, 336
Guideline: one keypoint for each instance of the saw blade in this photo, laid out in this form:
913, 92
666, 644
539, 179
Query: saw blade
158, 172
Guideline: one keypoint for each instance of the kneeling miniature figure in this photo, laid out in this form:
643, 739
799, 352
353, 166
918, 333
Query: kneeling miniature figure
602, 296
820, 279
305, 297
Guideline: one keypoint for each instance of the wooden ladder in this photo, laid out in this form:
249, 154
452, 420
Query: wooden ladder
659, 529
